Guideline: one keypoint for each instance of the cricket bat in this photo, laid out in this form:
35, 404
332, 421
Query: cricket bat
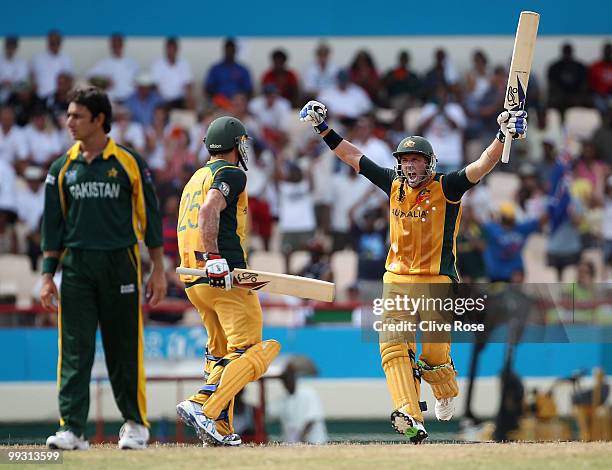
275, 283
520, 67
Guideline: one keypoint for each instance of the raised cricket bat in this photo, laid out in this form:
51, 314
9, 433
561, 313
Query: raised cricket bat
520, 66
274, 283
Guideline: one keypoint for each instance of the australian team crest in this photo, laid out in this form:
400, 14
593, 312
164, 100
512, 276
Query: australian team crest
71, 176
422, 196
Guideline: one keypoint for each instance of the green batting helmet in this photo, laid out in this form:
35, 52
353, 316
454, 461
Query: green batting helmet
224, 134
414, 144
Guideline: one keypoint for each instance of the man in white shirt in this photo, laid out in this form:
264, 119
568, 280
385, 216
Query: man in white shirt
118, 70
31, 199
13, 147
346, 99
271, 110
127, 132
376, 149
321, 74
442, 123
173, 77
42, 139
47, 65
12, 68
301, 412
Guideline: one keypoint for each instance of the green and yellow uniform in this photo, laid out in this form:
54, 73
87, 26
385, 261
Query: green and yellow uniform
233, 319
95, 213
424, 223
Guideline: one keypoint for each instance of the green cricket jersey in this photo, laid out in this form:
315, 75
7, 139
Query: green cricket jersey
107, 204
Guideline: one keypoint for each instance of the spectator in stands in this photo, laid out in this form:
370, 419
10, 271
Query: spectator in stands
13, 69
318, 266
173, 77
117, 70
363, 73
401, 84
602, 137
606, 225
24, 100
589, 167
144, 100
155, 138
57, 103
13, 146
370, 243
227, 77
320, 161
127, 132
273, 113
443, 72
346, 99
531, 197
178, 155
477, 78
482, 106
297, 223
42, 139
549, 164
600, 79
442, 123
321, 74
505, 241
47, 65
283, 78
300, 411
239, 108
470, 247
8, 209
567, 82
259, 188
30, 209
376, 149
564, 214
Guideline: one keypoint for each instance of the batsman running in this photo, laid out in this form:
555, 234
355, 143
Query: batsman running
425, 210
212, 235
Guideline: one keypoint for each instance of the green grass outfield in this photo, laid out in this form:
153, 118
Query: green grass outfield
345, 456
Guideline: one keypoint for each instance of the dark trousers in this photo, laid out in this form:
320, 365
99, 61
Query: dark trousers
100, 287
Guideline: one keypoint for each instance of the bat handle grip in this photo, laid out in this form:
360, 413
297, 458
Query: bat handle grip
506, 152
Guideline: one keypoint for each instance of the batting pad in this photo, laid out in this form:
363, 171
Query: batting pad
442, 379
399, 370
248, 367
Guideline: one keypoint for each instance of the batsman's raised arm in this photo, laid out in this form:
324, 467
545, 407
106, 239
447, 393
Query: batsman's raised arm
513, 122
315, 113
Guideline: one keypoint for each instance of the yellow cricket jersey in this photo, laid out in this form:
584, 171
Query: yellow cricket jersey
423, 223
231, 182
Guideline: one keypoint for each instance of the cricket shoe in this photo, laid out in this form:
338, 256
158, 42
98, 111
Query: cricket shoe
133, 436
444, 409
67, 440
192, 415
405, 424
232, 440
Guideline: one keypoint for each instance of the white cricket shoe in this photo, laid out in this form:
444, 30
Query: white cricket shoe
405, 424
192, 415
444, 409
67, 440
133, 436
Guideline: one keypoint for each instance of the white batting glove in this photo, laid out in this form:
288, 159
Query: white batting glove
218, 272
315, 113
515, 122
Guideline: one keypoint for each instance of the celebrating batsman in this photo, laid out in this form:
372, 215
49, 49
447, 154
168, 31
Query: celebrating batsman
425, 210
212, 234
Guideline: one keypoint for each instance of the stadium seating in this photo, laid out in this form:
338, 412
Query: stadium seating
17, 278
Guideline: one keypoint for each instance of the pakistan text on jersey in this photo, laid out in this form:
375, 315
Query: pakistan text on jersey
415, 213
93, 189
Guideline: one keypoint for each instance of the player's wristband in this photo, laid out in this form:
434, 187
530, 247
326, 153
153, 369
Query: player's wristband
332, 139
49, 264
321, 127
500, 136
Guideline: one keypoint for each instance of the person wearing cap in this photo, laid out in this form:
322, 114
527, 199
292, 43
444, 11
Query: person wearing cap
425, 211
144, 100
211, 234
12, 68
31, 199
119, 70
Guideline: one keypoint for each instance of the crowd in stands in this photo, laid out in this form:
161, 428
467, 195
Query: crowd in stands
300, 196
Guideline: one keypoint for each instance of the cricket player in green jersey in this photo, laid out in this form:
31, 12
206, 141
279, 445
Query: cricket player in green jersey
99, 201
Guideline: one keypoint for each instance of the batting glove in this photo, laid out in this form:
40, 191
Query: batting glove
515, 122
315, 113
218, 272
